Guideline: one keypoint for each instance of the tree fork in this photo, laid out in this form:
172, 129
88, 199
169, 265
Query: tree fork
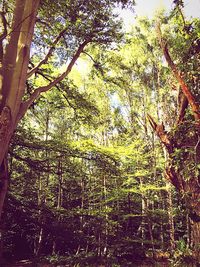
180, 77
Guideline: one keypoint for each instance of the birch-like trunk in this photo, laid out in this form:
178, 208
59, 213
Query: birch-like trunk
13, 75
14, 69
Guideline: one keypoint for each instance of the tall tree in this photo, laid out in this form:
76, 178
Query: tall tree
72, 25
182, 142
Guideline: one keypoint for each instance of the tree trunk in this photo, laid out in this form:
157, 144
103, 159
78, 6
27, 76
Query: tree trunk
194, 215
183, 146
195, 229
14, 69
171, 220
13, 77
4, 182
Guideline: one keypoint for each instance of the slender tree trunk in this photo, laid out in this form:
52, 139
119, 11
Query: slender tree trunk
149, 223
41, 231
60, 184
105, 250
171, 220
162, 206
4, 182
143, 206
59, 197
188, 225
42, 189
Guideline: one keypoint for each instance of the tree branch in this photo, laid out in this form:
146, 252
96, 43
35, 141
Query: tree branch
47, 77
161, 133
26, 104
183, 104
186, 91
89, 56
48, 55
173, 178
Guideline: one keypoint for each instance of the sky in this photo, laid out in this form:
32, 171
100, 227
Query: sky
148, 8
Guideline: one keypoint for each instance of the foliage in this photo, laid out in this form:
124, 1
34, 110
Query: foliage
87, 171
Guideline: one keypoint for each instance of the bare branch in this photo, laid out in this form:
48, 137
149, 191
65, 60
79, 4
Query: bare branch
48, 55
186, 91
152, 122
90, 56
161, 133
26, 104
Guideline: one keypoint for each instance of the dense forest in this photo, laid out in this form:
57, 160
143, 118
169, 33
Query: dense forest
99, 135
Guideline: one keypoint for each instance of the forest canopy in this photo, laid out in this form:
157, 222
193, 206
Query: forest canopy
99, 135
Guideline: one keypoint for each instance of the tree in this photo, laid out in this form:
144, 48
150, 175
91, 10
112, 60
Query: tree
74, 24
182, 141
154, 78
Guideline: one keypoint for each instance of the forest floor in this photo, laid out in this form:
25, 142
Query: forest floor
28, 263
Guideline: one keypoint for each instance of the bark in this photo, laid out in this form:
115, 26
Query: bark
4, 182
14, 68
183, 104
186, 182
194, 216
180, 78
26, 104
171, 220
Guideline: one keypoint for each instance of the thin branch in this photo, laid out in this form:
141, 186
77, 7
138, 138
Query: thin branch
90, 57
161, 133
48, 77
26, 104
186, 91
39, 20
48, 55
152, 122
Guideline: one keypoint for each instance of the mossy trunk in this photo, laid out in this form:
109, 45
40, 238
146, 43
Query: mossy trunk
189, 190
194, 215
